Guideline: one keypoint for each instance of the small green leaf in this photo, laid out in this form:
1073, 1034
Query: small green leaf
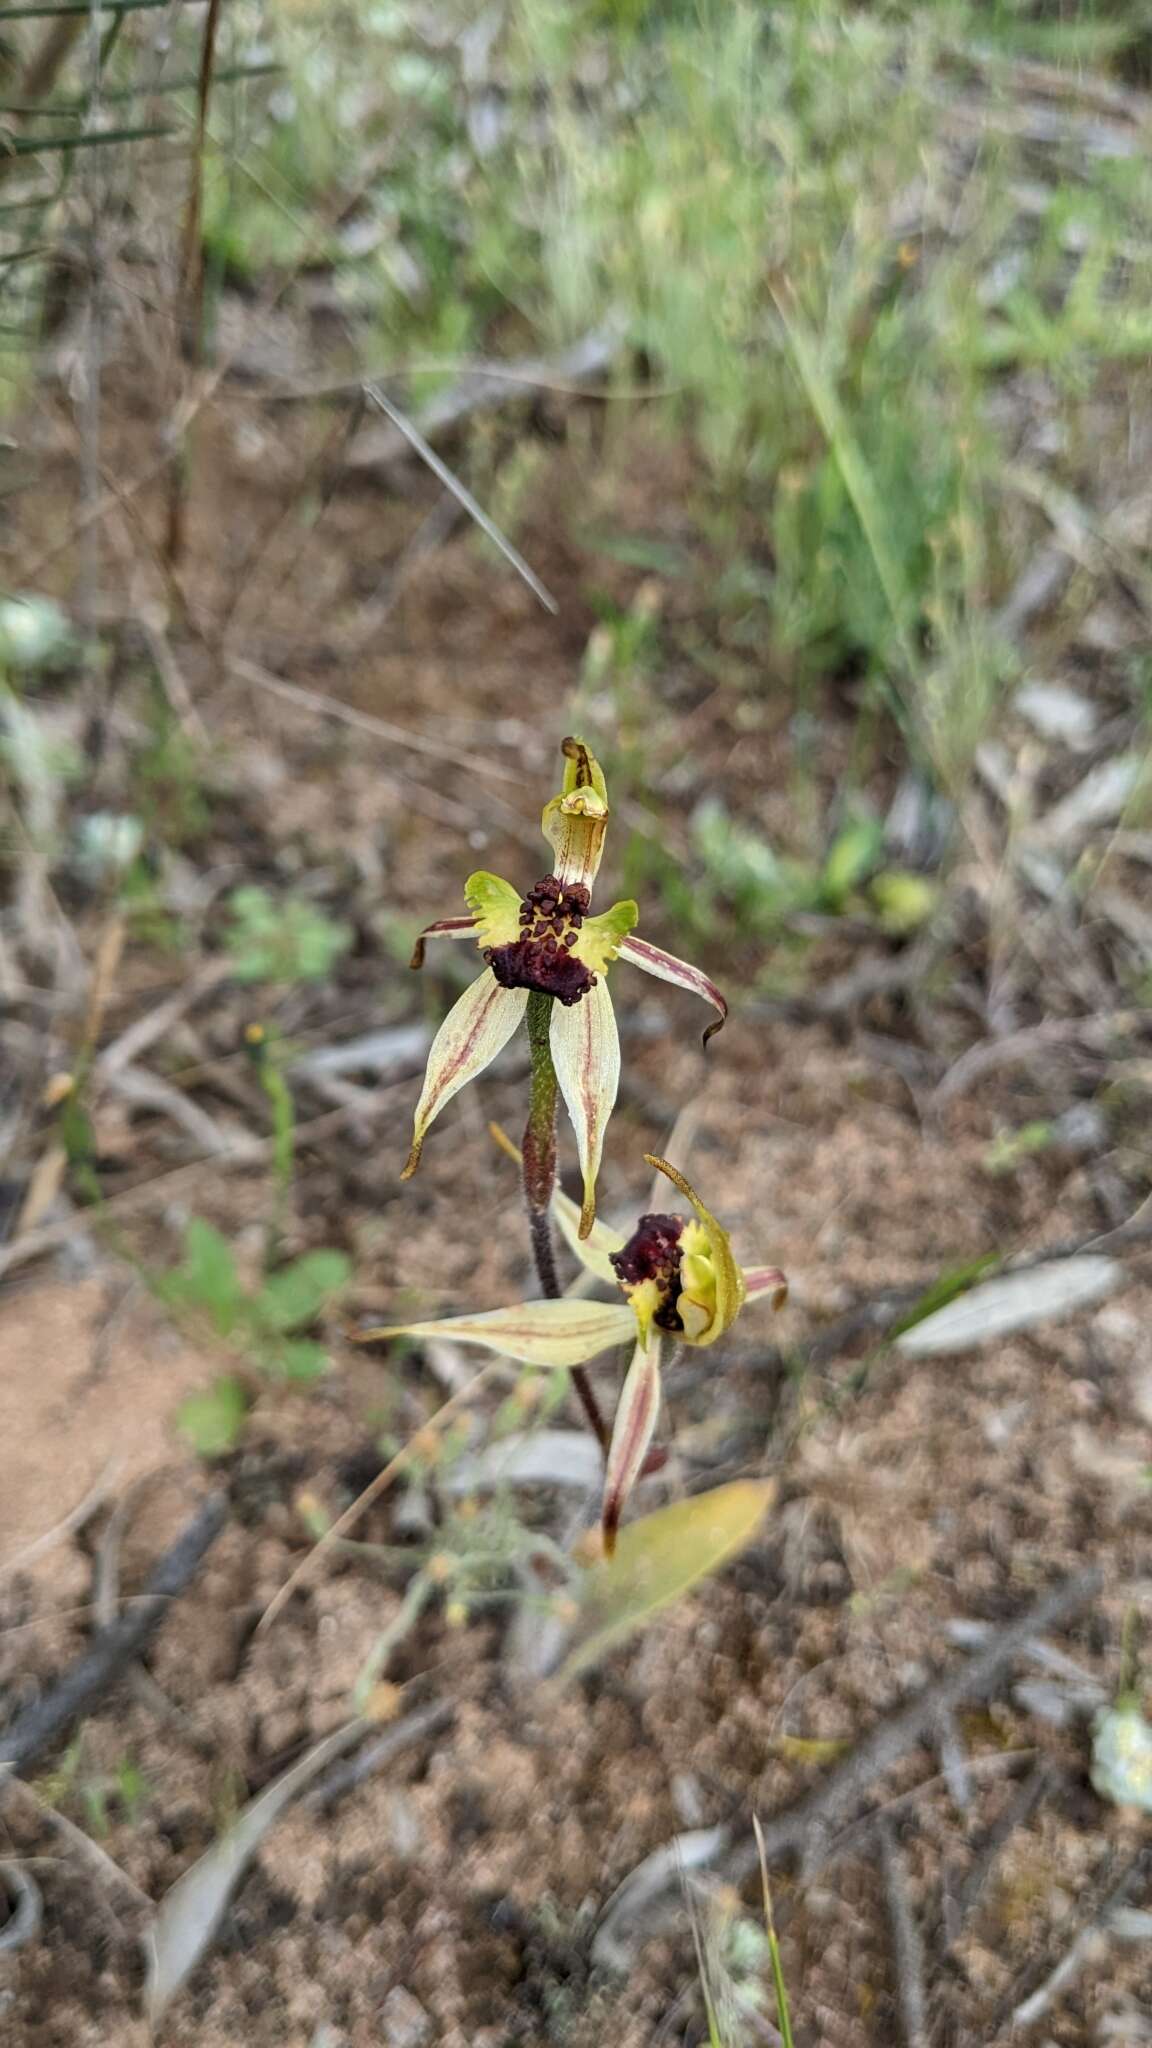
281, 940
1008, 1148
659, 1558
294, 1358
851, 858
207, 1279
214, 1420
294, 1297
904, 901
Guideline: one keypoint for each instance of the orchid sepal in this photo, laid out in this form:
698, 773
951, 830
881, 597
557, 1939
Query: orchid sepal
443, 928
585, 1048
477, 1027
666, 967
632, 1432
541, 1333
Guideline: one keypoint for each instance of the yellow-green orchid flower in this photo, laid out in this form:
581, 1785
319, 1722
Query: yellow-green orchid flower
548, 941
679, 1279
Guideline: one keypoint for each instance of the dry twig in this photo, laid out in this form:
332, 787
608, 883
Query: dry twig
907, 1944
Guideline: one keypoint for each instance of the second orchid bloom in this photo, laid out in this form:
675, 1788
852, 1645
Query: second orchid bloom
548, 941
680, 1281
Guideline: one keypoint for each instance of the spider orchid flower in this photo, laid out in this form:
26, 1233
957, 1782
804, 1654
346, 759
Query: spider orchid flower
679, 1280
549, 942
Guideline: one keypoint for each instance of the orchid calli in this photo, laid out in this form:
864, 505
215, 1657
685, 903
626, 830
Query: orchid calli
679, 1279
547, 941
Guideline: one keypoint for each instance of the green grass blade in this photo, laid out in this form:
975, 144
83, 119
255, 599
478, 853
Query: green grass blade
858, 482
783, 2010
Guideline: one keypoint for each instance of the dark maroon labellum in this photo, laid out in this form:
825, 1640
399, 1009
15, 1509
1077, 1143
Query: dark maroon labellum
653, 1253
542, 958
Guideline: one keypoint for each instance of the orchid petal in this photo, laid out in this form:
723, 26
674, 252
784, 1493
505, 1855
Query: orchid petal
495, 907
666, 967
574, 823
725, 1277
586, 1055
600, 938
632, 1431
594, 1251
761, 1280
546, 1333
444, 928
476, 1028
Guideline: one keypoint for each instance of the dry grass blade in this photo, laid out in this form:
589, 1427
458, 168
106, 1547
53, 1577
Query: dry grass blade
463, 495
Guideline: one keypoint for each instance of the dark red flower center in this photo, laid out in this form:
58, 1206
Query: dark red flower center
551, 915
653, 1253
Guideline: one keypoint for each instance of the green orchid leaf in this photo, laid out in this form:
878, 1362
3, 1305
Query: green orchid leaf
293, 1298
659, 1558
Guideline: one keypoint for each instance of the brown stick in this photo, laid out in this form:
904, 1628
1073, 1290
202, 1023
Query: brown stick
907, 1945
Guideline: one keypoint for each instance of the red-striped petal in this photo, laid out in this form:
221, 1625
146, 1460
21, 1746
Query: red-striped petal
444, 928
542, 1333
666, 967
586, 1055
632, 1432
762, 1280
476, 1028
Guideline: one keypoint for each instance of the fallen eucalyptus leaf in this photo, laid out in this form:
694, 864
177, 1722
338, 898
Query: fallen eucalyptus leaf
696, 1850
1015, 1301
190, 1914
660, 1557
542, 1457
1103, 795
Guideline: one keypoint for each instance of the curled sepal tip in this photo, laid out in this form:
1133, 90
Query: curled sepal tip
681, 973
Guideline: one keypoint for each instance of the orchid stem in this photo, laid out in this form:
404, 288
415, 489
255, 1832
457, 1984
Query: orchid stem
539, 1153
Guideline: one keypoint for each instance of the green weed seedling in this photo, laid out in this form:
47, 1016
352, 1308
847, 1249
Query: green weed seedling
281, 941
261, 1323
